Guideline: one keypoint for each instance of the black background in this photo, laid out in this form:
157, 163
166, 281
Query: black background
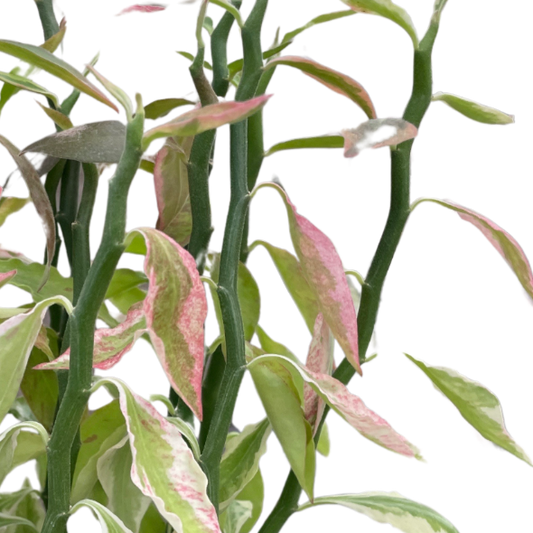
450, 299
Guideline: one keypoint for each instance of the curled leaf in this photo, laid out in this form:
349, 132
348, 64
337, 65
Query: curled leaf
143, 8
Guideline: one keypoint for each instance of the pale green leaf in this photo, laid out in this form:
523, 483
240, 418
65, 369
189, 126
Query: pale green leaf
323, 141
230, 8
324, 445
269, 345
60, 119
254, 493
321, 19
10, 205
120, 95
161, 108
236, 516
187, 431
6, 520
23, 83
109, 522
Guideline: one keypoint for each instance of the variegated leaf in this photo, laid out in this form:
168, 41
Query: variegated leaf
143, 8
163, 466
477, 405
109, 522
391, 508
340, 399
505, 243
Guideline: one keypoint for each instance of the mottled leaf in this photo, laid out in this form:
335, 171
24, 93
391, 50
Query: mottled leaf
376, 134
164, 468
323, 141
10, 205
340, 399
477, 405
473, 110
240, 462
205, 118
40, 201
142, 9
323, 270
23, 83
386, 9
161, 108
509, 249
336, 81
59, 118
109, 522
17, 337
391, 508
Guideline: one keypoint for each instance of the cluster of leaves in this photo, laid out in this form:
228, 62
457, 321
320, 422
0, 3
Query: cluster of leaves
137, 470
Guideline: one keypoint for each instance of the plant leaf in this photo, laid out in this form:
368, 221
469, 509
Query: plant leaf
323, 445
230, 8
163, 466
10, 205
473, 110
142, 9
269, 345
59, 118
336, 81
386, 9
120, 96
240, 462
6, 277
29, 507
391, 508
376, 134
323, 141
43, 59
17, 337
40, 201
236, 515
187, 432
161, 108
205, 118
52, 44
317, 20
21, 82
323, 270
477, 405
282, 401
109, 522
7, 520
340, 399
509, 249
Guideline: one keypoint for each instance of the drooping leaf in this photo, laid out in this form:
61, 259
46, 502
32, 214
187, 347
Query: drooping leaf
340, 399
477, 405
99, 432
283, 401
109, 522
7, 520
240, 462
236, 516
142, 9
386, 9
23, 83
323, 141
205, 118
120, 95
336, 81
391, 508
323, 270
59, 118
9, 91
40, 201
376, 134
43, 59
6, 277
17, 337
10, 205
473, 110
161, 108
509, 249
163, 466
321, 19
125, 500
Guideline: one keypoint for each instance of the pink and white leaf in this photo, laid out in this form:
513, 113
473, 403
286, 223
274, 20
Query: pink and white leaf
143, 8
505, 243
343, 402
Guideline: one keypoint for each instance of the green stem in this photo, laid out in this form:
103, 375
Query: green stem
82, 324
48, 19
399, 210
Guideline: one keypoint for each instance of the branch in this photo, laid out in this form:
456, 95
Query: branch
48, 19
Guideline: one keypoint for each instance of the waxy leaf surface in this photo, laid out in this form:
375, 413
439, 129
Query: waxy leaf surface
391, 508
142, 9
508, 247
40, 201
17, 337
477, 405
376, 134
164, 468
473, 110
205, 118
336, 81
340, 399
386, 9
161, 108
323, 141
21, 82
109, 522
323, 270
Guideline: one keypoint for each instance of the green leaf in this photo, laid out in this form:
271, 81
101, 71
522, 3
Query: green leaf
31, 508
23, 83
40, 201
236, 516
8, 90
230, 8
45, 60
125, 500
17, 337
269, 345
163, 466
389, 10
335, 394
161, 108
317, 20
477, 405
205, 118
240, 462
391, 508
336, 81
109, 522
190, 57
6, 520
282, 401
504, 243
10, 205
59, 118
52, 44
188, 432
120, 96
473, 110
153, 522
323, 141
323, 446
254, 493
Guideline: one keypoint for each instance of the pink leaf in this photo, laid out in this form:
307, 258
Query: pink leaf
6, 276
142, 9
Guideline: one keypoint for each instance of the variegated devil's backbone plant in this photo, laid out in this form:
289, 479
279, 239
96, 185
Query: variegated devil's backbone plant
139, 471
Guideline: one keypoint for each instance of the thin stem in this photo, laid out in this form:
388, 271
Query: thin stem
48, 19
82, 324
371, 293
